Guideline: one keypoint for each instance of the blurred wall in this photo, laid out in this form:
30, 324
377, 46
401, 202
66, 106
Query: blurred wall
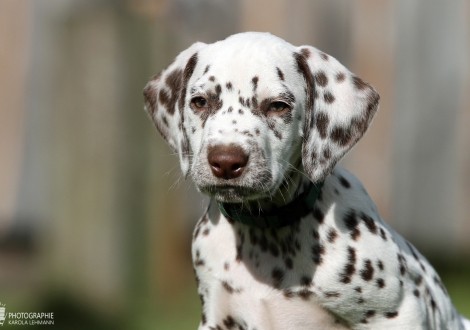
431, 83
92, 202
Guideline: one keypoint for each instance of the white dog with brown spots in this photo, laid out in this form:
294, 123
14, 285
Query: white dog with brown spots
290, 240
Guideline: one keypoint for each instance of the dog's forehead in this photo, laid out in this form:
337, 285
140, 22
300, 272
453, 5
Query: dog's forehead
242, 57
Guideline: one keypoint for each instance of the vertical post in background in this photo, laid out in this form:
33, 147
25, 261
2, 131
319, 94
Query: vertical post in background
464, 142
84, 236
372, 60
430, 49
15, 41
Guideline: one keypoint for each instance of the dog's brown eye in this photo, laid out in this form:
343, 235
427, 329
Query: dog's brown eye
199, 102
278, 106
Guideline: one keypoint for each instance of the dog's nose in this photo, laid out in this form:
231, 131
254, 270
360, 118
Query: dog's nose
227, 162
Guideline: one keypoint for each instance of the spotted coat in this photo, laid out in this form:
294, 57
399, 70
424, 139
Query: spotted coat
254, 120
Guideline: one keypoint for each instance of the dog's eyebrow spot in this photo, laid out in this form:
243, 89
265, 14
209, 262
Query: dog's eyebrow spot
287, 96
218, 89
206, 69
254, 81
280, 74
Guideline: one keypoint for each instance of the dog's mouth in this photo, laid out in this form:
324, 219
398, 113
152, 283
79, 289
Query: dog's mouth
232, 193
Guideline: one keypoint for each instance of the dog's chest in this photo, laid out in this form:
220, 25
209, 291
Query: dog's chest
249, 277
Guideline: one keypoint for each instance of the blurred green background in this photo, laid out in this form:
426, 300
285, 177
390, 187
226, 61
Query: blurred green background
95, 218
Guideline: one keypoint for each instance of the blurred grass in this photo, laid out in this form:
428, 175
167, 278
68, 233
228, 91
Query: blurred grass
180, 313
456, 278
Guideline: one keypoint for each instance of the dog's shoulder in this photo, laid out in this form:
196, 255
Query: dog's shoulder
384, 277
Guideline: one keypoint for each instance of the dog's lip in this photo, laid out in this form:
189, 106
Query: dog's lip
228, 187
223, 191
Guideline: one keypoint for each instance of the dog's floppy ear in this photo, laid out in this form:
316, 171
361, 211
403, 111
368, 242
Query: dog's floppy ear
339, 109
164, 98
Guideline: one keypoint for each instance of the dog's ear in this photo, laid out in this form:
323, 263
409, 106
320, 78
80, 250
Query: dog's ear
164, 98
339, 109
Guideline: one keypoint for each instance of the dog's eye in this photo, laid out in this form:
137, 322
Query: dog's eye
199, 102
277, 106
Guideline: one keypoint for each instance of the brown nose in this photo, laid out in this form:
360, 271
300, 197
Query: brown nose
227, 162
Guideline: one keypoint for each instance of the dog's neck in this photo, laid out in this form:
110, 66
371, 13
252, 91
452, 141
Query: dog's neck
294, 199
295, 183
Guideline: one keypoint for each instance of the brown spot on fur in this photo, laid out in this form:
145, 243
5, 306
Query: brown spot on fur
340, 77
332, 235
229, 322
306, 280
280, 74
169, 98
306, 52
317, 251
380, 283
254, 101
349, 268
345, 183
328, 97
332, 294
187, 73
324, 56
370, 223
277, 275
367, 273
241, 100
321, 79
369, 313
382, 234
318, 214
305, 294
359, 83
304, 69
391, 315
254, 81
341, 135
321, 122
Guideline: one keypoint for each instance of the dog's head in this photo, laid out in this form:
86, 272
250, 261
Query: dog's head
242, 112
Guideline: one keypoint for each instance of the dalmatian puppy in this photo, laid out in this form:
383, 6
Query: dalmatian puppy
289, 240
